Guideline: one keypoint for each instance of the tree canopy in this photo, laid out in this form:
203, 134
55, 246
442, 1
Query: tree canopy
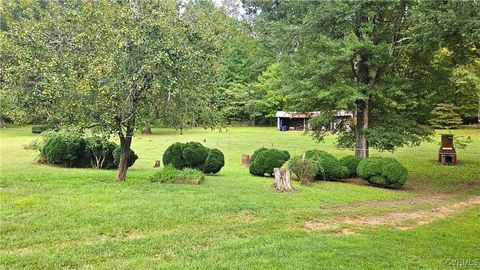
115, 66
111, 65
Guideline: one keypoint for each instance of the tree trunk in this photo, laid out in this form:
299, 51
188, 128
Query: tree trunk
125, 143
2, 123
147, 130
362, 117
478, 113
282, 180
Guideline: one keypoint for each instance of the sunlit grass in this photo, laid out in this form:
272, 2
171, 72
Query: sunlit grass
54, 217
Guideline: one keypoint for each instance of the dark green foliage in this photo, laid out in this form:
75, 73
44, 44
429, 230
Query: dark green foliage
395, 173
41, 128
351, 163
371, 166
385, 172
100, 152
305, 169
171, 175
67, 150
215, 161
194, 155
264, 160
132, 157
257, 153
173, 156
72, 150
329, 168
445, 116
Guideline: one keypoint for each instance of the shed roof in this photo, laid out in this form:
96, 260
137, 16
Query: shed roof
297, 114
285, 114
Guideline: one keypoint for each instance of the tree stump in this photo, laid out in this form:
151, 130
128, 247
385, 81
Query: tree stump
147, 130
282, 180
245, 160
157, 164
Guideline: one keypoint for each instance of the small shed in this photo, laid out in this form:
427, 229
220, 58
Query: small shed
299, 121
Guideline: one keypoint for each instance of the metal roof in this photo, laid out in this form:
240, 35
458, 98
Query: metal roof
285, 114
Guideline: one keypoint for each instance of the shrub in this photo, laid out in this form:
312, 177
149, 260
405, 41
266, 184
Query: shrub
170, 174
263, 161
100, 152
305, 169
73, 150
385, 172
173, 156
132, 157
351, 163
66, 149
370, 167
41, 128
194, 155
215, 161
329, 168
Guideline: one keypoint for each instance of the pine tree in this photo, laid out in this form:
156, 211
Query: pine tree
445, 116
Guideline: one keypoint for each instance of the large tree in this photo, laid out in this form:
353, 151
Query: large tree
373, 58
111, 66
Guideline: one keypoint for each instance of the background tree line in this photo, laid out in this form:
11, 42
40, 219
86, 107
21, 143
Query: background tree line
117, 66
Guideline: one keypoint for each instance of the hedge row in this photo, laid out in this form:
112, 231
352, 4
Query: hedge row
71, 150
378, 171
41, 128
194, 155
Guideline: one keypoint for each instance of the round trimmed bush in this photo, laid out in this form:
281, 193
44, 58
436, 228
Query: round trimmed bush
67, 150
395, 174
264, 160
194, 154
351, 163
384, 172
304, 169
371, 167
329, 168
215, 161
256, 153
132, 157
173, 156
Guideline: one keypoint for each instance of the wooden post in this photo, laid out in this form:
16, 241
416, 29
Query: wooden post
245, 160
147, 130
282, 180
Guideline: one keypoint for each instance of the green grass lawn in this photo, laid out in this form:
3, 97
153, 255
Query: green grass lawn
55, 217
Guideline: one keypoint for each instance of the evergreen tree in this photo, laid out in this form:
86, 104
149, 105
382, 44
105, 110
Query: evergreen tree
444, 116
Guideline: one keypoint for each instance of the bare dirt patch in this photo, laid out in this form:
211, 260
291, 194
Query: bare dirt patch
402, 220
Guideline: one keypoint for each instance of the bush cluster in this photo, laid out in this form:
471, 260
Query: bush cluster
305, 169
264, 160
384, 172
328, 167
67, 150
41, 128
194, 155
170, 174
351, 163
72, 150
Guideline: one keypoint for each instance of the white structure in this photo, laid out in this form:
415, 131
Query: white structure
299, 121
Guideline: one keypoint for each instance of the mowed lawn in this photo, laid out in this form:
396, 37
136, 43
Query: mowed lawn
54, 218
